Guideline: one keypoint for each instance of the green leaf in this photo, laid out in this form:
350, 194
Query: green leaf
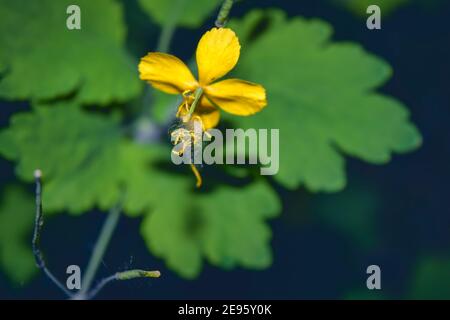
42, 59
227, 227
431, 279
322, 97
85, 159
73, 149
16, 224
186, 13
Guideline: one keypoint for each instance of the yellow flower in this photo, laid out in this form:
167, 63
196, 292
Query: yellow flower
217, 54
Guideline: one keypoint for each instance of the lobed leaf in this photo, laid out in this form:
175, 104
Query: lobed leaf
328, 107
227, 227
42, 59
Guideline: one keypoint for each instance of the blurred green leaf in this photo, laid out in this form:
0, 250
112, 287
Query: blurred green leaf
42, 59
76, 152
187, 13
16, 223
431, 279
85, 159
227, 227
359, 7
164, 106
322, 96
352, 212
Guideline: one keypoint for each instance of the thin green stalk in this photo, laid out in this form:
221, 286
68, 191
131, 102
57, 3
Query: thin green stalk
170, 26
165, 38
120, 276
100, 248
224, 12
197, 95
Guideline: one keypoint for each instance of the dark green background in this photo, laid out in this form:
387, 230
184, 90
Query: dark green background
396, 216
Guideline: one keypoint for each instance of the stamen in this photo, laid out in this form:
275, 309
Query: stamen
197, 176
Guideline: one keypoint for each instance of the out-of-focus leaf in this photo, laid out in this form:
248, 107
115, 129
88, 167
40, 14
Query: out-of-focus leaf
322, 96
42, 59
85, 159
431, 279
16, 223
76, 151
352, 212
187, 13
227, 227
359, 7
164, 106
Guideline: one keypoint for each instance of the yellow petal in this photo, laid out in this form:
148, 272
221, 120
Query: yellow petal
237, 97
166, 73
217, 53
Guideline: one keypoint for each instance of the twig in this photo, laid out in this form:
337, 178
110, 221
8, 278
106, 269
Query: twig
222, 17
38, 223
170, 26
100, 248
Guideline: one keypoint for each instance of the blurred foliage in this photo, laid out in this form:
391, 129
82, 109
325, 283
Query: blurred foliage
352, 212
327, 109
359, 7
431, 279
42, 59
16, 224
91, 159
186, 13
226, 226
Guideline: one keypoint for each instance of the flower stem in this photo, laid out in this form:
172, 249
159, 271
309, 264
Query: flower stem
39, 222
197, 96
125, 275
100, 248
222, 17
170, 26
